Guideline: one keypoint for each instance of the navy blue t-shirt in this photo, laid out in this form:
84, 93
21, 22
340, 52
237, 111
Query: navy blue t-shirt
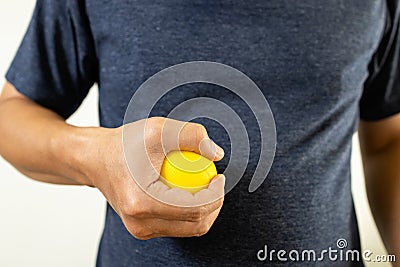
320, 64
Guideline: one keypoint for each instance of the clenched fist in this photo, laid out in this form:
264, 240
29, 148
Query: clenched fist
126, 170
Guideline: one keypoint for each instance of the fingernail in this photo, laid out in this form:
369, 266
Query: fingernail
219, 151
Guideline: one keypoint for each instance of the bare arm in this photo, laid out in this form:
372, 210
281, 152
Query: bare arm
380, 147
41, 145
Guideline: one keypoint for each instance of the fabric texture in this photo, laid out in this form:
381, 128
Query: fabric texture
311, 60
381, 97
56, 63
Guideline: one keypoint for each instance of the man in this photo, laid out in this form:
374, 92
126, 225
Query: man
321, 65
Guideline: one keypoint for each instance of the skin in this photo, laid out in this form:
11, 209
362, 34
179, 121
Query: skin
83, 161
55, 152
380, 147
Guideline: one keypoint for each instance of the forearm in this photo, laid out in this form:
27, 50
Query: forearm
40, 144
382, 173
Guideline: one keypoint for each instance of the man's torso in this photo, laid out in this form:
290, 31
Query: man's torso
310, 60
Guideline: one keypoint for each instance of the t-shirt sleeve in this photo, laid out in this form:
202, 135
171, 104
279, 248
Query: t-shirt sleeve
56, 64
381, 95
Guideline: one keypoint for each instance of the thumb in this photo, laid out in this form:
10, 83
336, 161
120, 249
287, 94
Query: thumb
192, 137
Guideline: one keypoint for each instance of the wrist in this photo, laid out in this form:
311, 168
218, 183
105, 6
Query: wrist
78, 149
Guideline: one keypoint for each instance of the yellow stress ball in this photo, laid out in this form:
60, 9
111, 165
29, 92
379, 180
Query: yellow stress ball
187, 170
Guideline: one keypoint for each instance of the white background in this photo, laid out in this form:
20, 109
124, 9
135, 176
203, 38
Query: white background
48, 225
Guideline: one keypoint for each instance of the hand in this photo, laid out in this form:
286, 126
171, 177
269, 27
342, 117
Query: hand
147, 207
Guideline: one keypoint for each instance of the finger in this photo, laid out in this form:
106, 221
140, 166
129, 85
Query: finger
210, 150
214, 191
182, 198
194, 137
178, 135
160, 227
182, 205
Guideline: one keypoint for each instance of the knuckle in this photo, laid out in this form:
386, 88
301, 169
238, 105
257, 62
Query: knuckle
156, 120
201, 130
127, 208
217, 204
133, 209
201, 127
138, 212
139, 232
203, 229
196, 214
153, 128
